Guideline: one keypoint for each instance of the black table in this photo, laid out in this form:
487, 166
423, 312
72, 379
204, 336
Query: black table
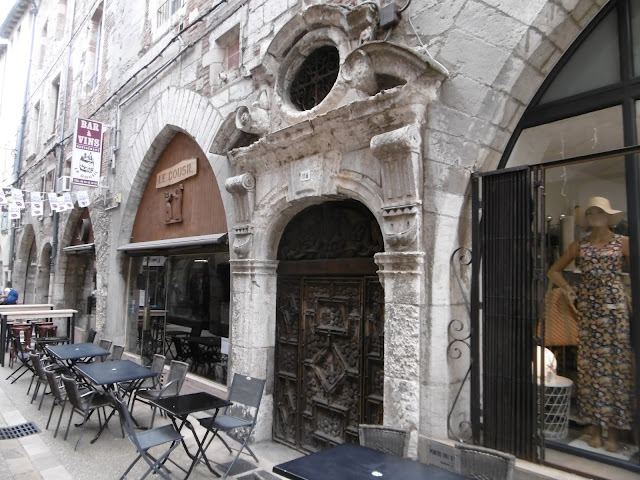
178, 407
353, 462
73, 352
107, 374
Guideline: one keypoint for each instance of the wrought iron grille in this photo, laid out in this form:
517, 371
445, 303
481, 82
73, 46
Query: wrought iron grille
315, 78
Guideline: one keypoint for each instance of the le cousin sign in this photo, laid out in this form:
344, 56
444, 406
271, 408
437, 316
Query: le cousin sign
87, 153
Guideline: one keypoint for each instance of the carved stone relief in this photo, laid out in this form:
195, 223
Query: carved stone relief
173, 206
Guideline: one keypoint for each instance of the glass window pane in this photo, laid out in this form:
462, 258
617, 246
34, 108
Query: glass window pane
587, 305
596, 63
592, 132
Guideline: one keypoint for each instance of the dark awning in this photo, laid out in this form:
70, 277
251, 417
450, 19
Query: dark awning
195, 243
78, 249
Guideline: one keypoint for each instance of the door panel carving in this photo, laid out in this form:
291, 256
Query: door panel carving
323, 330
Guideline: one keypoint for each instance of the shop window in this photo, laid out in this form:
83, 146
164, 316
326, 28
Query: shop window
576, 143
587, 319
596, 63
592, 132
180, 308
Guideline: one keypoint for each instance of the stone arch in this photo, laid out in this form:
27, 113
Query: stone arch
176, 110
276, 210
43, 277
548, 37
69, 225
25, 241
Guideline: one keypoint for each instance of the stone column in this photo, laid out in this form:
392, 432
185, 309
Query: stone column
402, 277
253, 326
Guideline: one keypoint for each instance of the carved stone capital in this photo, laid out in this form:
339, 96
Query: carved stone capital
242, 189
399, 155
243, 241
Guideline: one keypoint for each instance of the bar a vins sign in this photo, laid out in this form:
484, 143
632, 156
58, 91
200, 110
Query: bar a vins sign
87, 153
177, 173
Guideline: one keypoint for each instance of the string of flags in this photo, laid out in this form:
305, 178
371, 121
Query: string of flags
13, 199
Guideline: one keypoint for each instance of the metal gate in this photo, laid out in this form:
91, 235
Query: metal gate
506, 298
329, 359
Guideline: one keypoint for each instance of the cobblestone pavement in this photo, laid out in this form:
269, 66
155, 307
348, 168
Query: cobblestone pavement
40, 456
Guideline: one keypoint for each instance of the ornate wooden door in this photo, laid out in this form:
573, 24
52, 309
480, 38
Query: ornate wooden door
329, 359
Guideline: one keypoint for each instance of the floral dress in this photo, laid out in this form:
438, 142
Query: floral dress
605, 369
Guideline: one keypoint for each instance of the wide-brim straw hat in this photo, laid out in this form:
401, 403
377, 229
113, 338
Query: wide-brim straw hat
603, 203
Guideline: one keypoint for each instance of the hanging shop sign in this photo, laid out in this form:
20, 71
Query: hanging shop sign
177, 173
87, 153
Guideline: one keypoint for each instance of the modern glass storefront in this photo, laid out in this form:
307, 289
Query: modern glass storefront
580, 133
179, 307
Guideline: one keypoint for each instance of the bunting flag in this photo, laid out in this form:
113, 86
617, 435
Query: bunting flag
12, 200
37, 206
83, 198
18, 199
14, 211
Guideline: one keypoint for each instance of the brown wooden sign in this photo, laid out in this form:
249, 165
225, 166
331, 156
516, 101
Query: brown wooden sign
177, 173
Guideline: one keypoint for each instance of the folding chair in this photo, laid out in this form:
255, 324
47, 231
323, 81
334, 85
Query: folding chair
145, 440
39, 375
483, 463
92, 336
25, 363
177, 374
116, 353
387, 439
106, 344
84, 404
157, 366
246, 394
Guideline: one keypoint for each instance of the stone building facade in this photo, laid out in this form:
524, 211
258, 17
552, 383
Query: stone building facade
417, 99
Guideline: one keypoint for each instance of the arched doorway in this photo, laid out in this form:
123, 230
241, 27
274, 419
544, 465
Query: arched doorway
329, 327
30, 277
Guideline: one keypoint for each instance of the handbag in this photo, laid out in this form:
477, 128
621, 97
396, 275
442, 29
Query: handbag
561, 319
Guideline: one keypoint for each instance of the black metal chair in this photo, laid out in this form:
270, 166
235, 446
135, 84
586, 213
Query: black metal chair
126, 389
177, 374
483, 463
40, 376
384, 438
116, 352
106, 344
145, 440
59, 398
246, 395
92, 336
84, 404
25, 362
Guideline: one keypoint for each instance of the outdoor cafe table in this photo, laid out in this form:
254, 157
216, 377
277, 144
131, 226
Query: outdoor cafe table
107, 374
73, 352
354, 462
178, 407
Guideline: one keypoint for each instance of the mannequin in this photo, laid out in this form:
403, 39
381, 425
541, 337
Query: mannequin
605, 376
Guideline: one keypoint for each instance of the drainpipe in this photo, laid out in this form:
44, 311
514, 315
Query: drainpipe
23, 121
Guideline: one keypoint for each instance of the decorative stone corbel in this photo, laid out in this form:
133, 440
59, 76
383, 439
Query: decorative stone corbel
254, 119
399, 154
242, 189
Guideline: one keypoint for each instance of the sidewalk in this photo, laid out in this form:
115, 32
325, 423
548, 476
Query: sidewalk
40, 456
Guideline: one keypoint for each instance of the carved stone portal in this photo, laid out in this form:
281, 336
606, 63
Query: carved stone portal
173, 206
